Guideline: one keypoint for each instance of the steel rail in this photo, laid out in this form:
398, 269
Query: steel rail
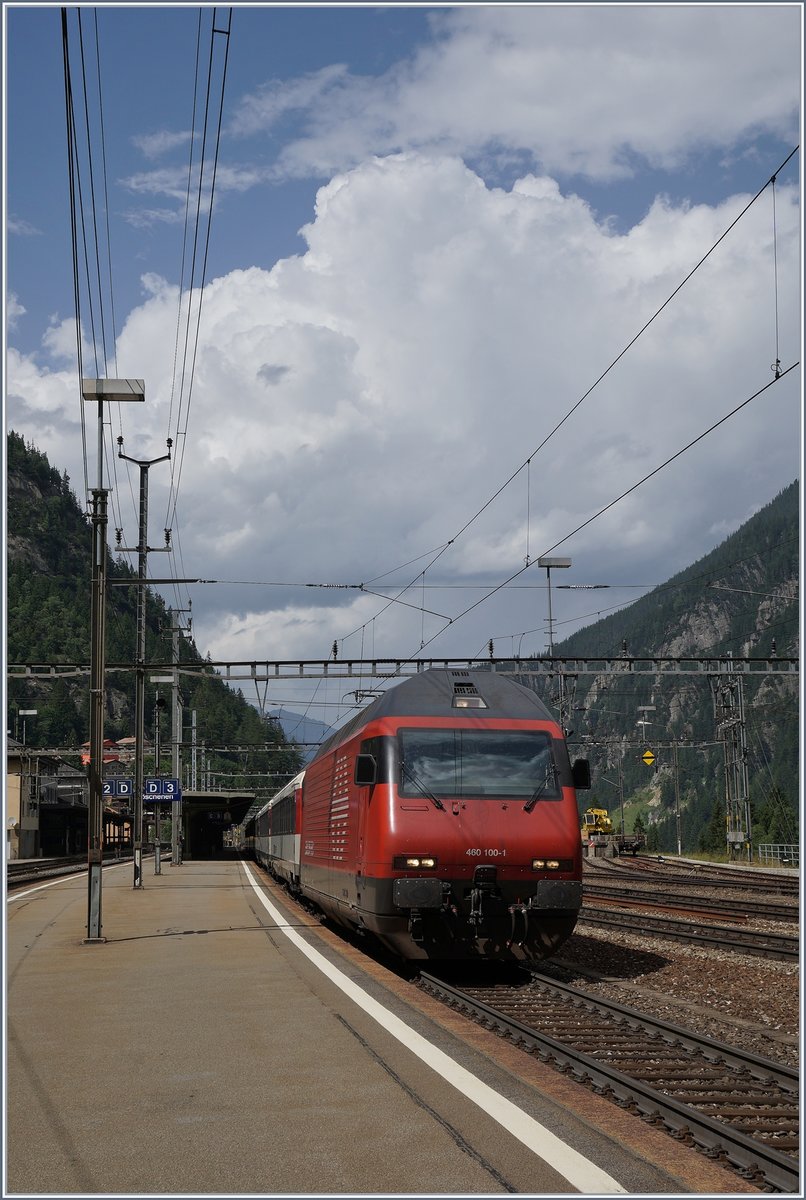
678, 901
764, 945
742, 880
754, 1159
29, 872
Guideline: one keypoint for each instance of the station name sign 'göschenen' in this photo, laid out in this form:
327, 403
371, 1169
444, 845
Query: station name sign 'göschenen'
155, 790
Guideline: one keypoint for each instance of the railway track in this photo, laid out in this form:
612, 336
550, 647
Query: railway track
737, 941
644, 870
735, 1107
739, 910
30, 871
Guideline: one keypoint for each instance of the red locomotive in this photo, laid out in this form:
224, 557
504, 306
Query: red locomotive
442, 819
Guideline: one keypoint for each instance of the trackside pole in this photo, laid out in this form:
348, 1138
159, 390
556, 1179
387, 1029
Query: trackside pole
95, 768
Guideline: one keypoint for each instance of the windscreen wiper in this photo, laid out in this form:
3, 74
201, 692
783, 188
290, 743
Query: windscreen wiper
405, 769
540, 789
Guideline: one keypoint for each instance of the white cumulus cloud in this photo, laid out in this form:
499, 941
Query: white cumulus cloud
353, 408
586, 89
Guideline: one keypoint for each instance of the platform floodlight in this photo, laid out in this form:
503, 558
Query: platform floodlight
116, 390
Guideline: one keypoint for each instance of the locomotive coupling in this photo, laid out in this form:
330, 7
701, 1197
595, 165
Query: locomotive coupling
485, 884
519, 923
485, 877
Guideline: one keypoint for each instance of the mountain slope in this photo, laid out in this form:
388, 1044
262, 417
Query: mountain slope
48, 590
740, 600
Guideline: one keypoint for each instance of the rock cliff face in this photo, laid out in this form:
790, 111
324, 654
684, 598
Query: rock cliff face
23, 550
740, 601
707, 625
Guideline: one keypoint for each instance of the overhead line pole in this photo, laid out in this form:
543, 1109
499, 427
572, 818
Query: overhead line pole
176, 740
98, 390
143, 550
95, 767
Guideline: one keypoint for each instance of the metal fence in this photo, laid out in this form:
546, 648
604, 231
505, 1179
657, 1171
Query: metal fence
779, 856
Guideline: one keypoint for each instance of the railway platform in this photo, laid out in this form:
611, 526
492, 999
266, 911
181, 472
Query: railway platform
221, 1041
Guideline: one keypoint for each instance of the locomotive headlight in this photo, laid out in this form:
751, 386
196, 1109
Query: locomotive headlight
552, 864
414, 862
538, 864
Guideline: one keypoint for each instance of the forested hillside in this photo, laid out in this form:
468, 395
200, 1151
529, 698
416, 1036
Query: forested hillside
48, 591
740, 600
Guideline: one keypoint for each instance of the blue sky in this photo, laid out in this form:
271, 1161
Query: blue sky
434, 228
149, 58
148, 65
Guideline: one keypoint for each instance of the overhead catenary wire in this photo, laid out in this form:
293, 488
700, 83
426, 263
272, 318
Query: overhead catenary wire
185, 225
421, 577
83, 217
93, 282
527, 462
111, 459
606, 508
655, 590
181, 432
93, 206
106, 196
179, 408
175, 486
71, 171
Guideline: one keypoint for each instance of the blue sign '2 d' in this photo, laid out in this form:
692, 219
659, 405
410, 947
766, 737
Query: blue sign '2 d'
121, 788
161, 789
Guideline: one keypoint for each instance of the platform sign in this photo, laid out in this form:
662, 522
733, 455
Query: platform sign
120, 788
648, 757
161, 790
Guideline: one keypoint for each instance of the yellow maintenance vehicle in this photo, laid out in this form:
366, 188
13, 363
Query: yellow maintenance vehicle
596, 820
598, 837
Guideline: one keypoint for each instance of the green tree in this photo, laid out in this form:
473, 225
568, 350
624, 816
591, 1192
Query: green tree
712, 838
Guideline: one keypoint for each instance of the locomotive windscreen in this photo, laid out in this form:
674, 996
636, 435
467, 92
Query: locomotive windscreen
477, 762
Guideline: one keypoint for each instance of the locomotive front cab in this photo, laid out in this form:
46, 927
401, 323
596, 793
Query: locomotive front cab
480, 833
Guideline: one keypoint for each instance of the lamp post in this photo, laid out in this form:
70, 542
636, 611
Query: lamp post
26, 712
548, 563
142, 549
644, 708
98, 390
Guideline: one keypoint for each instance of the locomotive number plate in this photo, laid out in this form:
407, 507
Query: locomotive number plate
477, 852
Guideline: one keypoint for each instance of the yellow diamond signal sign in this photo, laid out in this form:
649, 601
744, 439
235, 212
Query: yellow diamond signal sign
648, 757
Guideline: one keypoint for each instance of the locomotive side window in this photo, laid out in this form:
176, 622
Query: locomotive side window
380, 748
478, 762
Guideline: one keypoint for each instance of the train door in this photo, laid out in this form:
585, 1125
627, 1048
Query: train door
369, 801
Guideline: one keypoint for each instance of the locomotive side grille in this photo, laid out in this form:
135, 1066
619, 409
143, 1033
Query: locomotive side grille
339, 810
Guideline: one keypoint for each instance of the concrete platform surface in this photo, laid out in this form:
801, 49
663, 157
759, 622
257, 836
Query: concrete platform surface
201, 1050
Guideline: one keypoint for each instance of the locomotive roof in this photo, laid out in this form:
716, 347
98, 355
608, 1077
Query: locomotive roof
431, 694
